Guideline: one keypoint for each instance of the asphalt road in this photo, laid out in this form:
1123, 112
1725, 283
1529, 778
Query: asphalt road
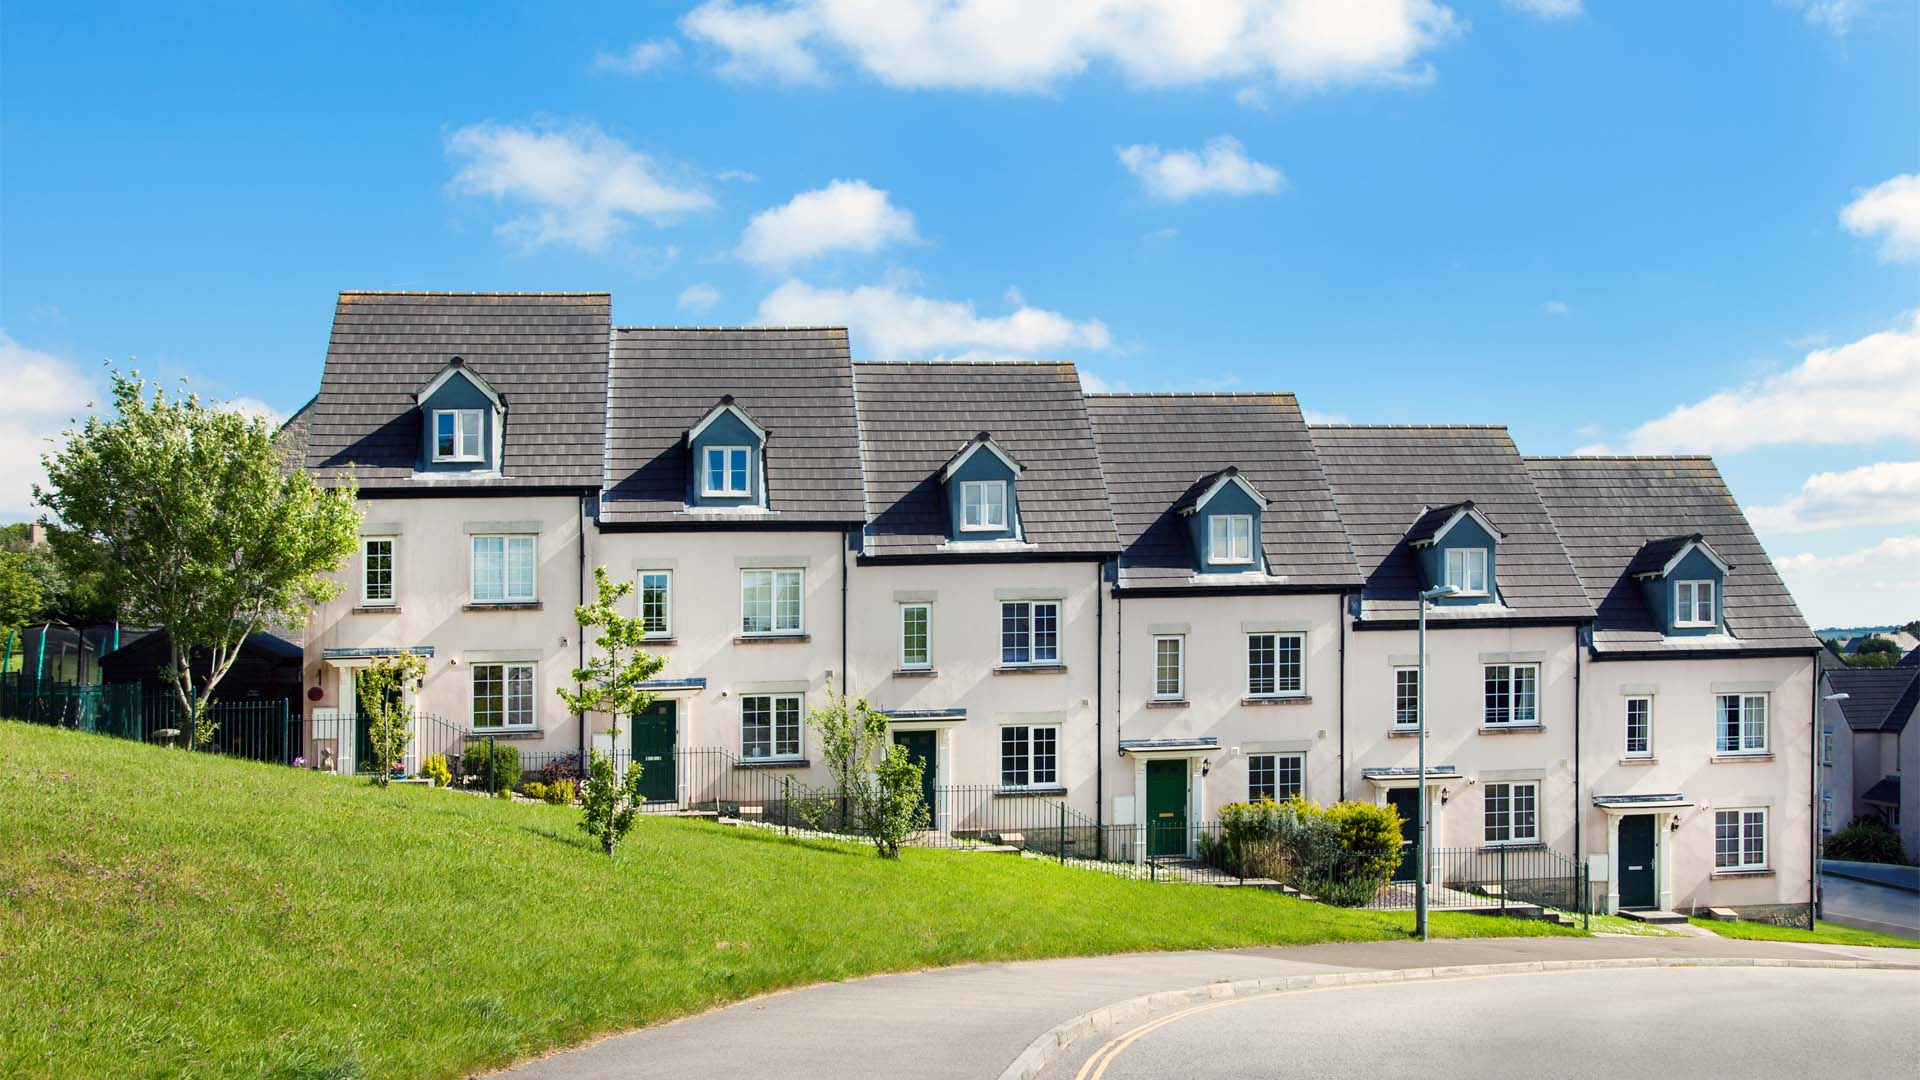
1887, 908
1674, 1023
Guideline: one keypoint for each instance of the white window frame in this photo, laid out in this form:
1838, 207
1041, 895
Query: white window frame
1826, 811
469, 425
1178, 692
1280, 690
367, 599
774, 744
1626, 734
1508, 813
507, 596
1743, 743
506, 668
1273, 764
726, 490
925, 662
1743, 820
1826, 743
1230, 539
666, 604
774, 576
1031, 622
1697, 593
1462, 572
973, 496
1027, 763
1409, 721
1512, 703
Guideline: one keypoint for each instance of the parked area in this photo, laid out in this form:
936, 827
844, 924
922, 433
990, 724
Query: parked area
207, 916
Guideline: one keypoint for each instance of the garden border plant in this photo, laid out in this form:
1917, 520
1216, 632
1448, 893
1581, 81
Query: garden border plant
1344, 853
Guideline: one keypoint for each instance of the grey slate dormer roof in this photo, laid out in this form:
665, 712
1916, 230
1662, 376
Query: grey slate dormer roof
1161, 451
1607, 509
797, 383
1385, 478
913, 415
545, 352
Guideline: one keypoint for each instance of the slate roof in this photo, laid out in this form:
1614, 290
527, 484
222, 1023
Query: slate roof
1386, 478
1885, 790
913, 416
797, 383
1912, 660
546, 353
1162, 451
1878, 699
1606, 509
1430, 523
1654, 555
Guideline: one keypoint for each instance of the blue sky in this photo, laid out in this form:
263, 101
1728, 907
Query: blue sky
1640, 227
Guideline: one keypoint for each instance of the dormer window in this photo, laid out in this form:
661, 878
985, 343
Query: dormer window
725, 471
1230, 539
1467, 571
983, 506
456, 434
1693, 603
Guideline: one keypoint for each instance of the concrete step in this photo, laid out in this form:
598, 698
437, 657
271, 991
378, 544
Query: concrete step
1655, 918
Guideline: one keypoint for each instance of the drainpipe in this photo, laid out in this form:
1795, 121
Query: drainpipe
1813, 804
580, 644
1120, 675
1099, 701
1579, 806
1340, 616
846, 676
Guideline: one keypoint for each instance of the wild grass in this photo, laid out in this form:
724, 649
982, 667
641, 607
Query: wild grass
168, 914
1823, 933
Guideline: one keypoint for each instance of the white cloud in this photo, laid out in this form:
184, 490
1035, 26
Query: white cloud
639, 58
1836, 16
1884, 493
1251, 97
1094, 384
1221, 168
579, 186
997, 45
253, 406
1555, 307
1890, 210
1315, 416
699, 299
1547, 9
44, 392
846, 215
1869, 586
893, 324
1858, 392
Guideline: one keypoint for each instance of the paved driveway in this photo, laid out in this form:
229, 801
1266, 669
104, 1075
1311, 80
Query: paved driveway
1674, 1023
975, 1021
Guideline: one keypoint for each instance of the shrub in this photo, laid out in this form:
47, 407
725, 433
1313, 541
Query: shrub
1342, 854
612, 802
435, 769
560, 793
534, 789
1866, 840
506, 766
560, 768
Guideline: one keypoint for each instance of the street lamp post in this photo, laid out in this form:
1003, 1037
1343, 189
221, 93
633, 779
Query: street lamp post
1421, 855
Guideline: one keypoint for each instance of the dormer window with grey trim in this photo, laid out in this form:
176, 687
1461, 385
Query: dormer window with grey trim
1230, 539
982, 487
1457, 546
724, 471
1693, 604
1467, 571
1683, 581
1223, 523
727, 452
463, 420
457, 434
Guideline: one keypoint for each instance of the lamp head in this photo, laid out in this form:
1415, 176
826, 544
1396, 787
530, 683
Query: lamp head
1438, 592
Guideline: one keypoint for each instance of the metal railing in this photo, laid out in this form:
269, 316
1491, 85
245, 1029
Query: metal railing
263, 730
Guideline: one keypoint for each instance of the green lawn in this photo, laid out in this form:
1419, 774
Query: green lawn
167, 914
1823, 933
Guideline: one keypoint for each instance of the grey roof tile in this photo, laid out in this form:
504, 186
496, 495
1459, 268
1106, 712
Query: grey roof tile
1878, 699
1387, 478
1607, 509
1160, 451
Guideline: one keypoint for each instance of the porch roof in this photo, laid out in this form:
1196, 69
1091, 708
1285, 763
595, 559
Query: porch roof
1194, 745
1409, 772
910, 715
371, 652
1623, 803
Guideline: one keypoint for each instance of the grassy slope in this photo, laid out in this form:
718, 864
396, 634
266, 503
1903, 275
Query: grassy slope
169, 914
1825, 933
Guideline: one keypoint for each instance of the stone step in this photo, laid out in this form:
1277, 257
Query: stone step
1655, 918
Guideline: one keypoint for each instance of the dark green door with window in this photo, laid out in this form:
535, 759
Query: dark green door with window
1407, 802
656, 732
1637, 889
922, 747
1166, 808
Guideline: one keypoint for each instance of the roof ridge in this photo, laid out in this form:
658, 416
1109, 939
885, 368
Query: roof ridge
1616, 457
731, 329
967, 363
1409, 427
479, 292
1195, 394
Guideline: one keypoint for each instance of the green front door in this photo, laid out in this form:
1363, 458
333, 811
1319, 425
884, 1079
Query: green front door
1166, 808
1637, 888
656, 732
922, 747
1407, 802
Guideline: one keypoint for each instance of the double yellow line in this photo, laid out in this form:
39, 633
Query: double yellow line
1096, 1066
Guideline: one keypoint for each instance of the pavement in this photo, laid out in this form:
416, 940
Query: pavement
1871, 896
1899, 877
977, 1020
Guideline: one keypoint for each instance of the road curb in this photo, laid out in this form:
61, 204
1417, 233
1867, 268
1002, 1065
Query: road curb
1041, 1051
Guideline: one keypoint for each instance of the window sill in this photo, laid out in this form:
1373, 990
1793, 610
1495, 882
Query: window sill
505, 733
666, 639
1028, 792
377, 609
772, 763
1510, 844
1277, 699
1030, 669
1639, 761
1168, 703
915, 673
1403, 733
771, 639
1756, 872
1731, 759
1512, 729
502, 605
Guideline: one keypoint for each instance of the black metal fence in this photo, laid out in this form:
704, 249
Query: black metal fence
264, 730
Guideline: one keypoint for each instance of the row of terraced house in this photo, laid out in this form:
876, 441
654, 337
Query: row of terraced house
1145, 605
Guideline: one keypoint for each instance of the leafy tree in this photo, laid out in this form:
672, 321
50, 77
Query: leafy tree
612, 681
382, 690
1874, 652
184, 510
878, 781
20, 595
